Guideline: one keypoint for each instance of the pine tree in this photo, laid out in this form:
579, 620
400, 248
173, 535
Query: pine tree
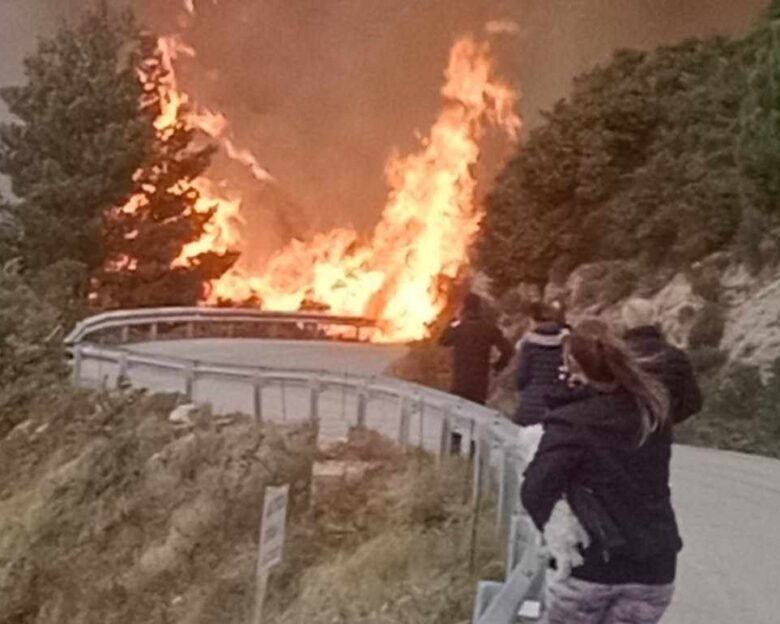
85, 143
145, 238
78, 138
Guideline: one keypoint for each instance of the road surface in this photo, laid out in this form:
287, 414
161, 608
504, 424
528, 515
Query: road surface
341, 357
728, 504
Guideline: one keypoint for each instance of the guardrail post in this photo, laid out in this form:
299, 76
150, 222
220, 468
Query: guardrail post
503, 470
257, 399
78, 357
125, 334
508, 488
189, 380
481, 463
445, 439
190, 329
512, 544
516, 589
361, 408
121, 375
153, 328
314, 401
404, 423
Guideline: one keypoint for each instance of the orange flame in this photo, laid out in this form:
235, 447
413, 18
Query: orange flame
425, 230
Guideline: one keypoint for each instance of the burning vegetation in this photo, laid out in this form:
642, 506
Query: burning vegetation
398, 275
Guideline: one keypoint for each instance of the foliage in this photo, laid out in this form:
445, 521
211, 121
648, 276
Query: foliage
708, 329
741, 412
391, 547
84, 143
78, 136
664, 156
707, 360
11, 234
145, 239
31, 356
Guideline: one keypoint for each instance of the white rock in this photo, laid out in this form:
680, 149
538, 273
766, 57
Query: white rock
182, 415
752, 333
677, 307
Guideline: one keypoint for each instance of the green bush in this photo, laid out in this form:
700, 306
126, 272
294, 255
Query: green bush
708, 329
739, 395
707, 359
31, 352
706, 284
740, 413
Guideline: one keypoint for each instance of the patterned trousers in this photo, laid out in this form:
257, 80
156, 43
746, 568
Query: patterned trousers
578, 602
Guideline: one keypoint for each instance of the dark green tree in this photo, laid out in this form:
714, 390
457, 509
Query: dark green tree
77, 138
641, 162
83, 144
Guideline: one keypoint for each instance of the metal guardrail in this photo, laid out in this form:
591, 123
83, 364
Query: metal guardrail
154, 318
410, 414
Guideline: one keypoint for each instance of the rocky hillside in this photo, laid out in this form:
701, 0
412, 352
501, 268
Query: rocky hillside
111, 513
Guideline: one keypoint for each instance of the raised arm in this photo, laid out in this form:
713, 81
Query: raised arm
504, 347
689, 400
524, 366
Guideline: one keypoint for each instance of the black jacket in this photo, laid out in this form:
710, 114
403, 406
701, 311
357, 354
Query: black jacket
472, 339
538, 371
671, 366
593, 444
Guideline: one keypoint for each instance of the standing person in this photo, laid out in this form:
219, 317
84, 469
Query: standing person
609, 454
541, 359
669, 364
472, 338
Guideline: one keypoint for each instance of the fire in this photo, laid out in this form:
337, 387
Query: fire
425, 231
396, 274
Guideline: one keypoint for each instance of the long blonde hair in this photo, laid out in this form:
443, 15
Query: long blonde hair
605, 359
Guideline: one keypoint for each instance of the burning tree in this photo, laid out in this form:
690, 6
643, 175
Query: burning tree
147, 236
96, 128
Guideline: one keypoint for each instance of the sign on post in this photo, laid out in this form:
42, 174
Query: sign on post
272, 529
273, 526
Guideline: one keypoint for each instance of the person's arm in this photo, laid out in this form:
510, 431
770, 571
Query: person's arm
549, 474
690, 400
524, 367
447, 337
505, 349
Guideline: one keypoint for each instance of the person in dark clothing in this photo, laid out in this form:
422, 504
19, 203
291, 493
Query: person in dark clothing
668, 363
608, 453
472, 338
540, 362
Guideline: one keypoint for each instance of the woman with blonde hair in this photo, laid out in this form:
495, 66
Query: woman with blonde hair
608, 453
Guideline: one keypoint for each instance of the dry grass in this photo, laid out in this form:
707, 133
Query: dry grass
400, 554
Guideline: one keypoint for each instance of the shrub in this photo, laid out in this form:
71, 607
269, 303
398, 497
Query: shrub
706, 284
739, 394
707, 359
708, 329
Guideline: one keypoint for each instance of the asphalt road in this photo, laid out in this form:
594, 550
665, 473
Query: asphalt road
342, 357
728, 504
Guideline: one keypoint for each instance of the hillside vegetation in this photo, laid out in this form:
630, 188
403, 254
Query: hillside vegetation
663, 157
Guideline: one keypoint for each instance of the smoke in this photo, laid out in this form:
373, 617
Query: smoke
322, 91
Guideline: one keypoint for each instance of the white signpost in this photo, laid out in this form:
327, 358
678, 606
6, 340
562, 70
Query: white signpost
272, 530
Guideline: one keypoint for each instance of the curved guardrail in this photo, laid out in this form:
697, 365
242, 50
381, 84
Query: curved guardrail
154, 318
410, 414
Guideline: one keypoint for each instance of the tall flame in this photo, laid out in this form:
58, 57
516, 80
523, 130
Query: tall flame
395, 275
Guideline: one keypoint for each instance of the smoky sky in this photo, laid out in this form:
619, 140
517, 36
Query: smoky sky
323, 90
